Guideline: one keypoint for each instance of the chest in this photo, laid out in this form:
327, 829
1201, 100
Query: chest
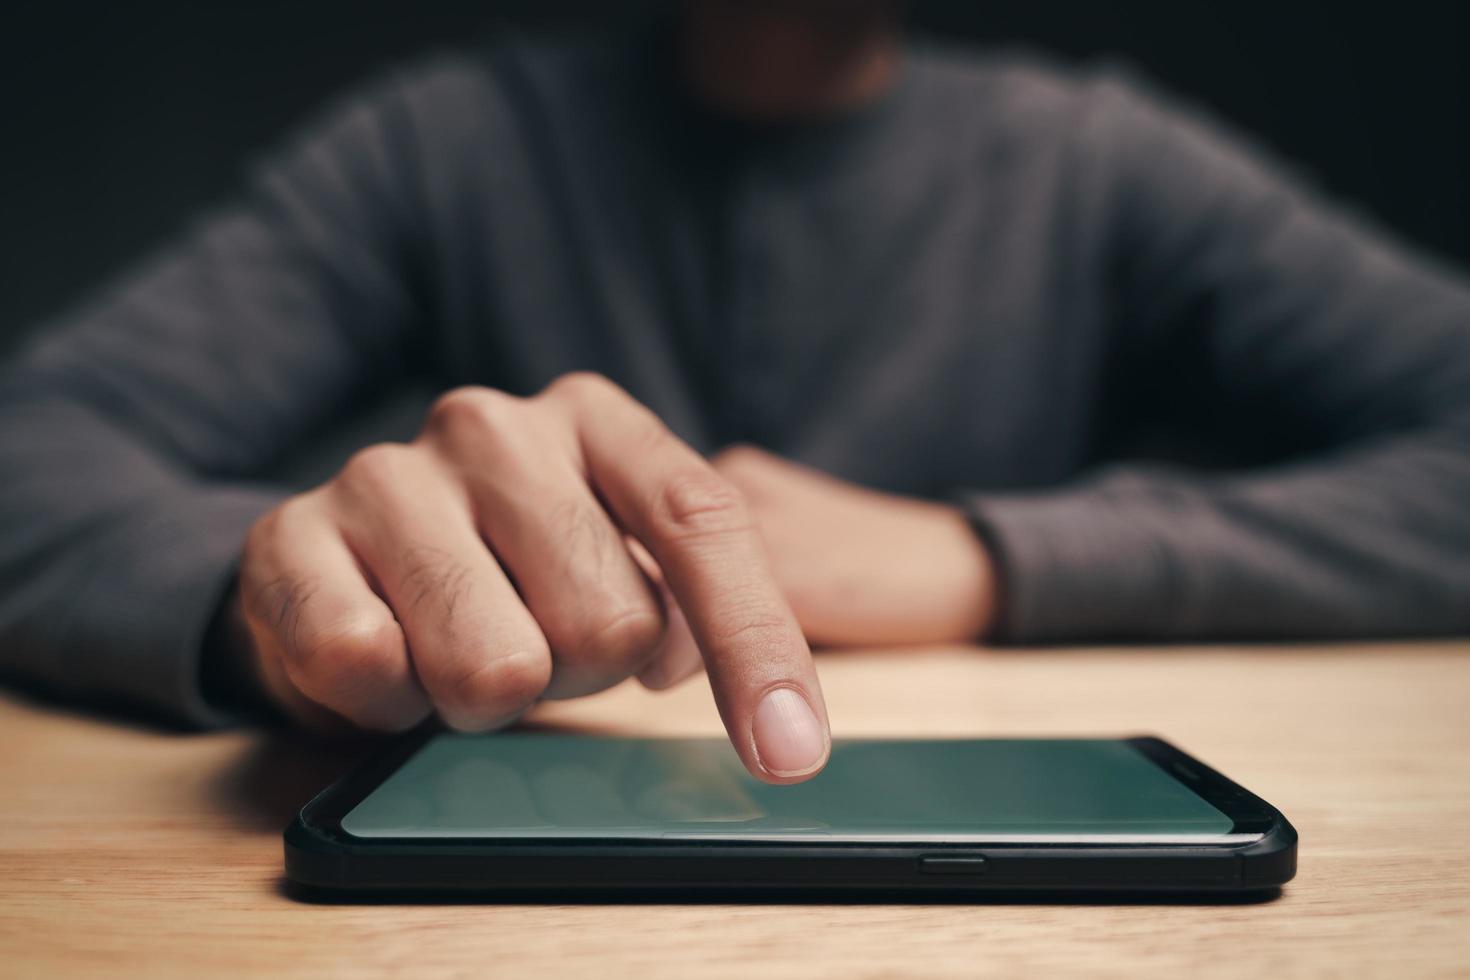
909, 327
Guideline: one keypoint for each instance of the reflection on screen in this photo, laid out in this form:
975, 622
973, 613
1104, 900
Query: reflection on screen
531, 785
537, 785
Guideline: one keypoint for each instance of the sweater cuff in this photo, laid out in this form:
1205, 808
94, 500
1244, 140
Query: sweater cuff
161, 585
1075, 565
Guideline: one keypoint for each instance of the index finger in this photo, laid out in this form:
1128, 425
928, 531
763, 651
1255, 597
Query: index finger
698, 529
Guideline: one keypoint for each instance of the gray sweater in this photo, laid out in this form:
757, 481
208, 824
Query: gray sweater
1002, 284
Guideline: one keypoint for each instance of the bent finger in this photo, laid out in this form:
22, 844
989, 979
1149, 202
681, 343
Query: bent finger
473, 644
318, 624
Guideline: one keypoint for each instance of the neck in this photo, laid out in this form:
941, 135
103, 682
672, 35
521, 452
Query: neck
785, 60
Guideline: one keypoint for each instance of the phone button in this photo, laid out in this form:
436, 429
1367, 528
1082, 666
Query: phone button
951, 864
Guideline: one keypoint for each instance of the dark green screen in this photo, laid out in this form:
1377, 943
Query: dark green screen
537, 785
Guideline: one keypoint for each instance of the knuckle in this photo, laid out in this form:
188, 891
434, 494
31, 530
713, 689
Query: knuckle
740, 458
474, 427
273, 529
700, 503
583, 386
378, 468
619, 637
749, 468
470, 409
259, 541
487, 690
294, 512
353, 653
586, 395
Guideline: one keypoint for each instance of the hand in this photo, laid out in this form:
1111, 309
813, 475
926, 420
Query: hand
861, 567
487, 564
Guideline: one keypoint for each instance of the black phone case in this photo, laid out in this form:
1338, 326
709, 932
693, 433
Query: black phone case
324, 862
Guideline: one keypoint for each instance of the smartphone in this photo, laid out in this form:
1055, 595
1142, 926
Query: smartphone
568, 817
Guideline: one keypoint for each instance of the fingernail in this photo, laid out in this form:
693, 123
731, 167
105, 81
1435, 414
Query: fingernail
789, 740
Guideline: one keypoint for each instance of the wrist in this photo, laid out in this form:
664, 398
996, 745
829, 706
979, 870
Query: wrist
229, 674
968, 577
911, 572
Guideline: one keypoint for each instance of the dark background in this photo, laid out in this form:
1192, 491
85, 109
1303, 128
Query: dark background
120, 120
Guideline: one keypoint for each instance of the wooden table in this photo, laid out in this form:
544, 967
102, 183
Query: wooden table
124, 850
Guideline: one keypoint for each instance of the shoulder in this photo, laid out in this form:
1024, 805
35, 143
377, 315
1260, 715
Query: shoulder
449, 120
1107, 124
445, 95
1028, 94
542, 69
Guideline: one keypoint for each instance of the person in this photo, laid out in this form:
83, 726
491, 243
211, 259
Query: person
949, 296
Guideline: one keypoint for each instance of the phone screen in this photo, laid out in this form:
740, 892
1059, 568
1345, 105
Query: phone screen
525, 785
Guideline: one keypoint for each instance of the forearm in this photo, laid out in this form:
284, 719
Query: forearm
111, 563
1338, 357
127, 432
1372, 543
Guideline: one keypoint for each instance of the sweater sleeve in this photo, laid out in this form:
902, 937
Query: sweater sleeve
133, 432
1295, 325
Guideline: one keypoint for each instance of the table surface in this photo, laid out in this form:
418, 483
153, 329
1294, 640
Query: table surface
126, 850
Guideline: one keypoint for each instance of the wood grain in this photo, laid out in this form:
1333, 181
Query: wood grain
129, 851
